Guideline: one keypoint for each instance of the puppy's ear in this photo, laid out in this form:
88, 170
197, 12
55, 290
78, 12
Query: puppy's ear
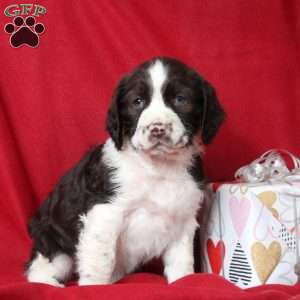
213, 113
113, 121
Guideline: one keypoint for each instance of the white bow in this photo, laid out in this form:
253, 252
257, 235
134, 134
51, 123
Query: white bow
269, 166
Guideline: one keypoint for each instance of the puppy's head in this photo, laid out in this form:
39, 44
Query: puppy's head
161, 107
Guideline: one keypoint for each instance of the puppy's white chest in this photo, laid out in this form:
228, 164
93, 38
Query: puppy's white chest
156, 218
146, 234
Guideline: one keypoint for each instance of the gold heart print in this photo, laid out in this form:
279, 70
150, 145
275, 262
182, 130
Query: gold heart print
268, 198
265, 259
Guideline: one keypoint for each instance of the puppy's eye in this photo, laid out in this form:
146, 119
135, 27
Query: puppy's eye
139, 102
180, 100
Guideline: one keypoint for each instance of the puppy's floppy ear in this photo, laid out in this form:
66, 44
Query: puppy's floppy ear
213, 113
113, 121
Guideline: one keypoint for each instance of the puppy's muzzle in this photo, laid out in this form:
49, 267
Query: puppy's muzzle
159, 131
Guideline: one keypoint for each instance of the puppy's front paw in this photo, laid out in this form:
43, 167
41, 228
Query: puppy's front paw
173, 274
91, 281
177, 276
56, 284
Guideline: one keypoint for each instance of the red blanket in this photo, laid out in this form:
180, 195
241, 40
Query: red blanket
54, 97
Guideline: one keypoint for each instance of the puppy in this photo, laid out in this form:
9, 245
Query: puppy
136, 196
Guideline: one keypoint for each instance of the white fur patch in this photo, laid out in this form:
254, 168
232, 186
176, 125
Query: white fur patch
158, 76
51, 272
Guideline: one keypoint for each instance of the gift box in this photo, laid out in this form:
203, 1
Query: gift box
252, 236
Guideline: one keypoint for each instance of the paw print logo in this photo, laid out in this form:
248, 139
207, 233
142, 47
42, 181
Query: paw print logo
24, 31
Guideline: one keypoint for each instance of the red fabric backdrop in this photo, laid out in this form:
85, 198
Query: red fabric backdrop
53, 99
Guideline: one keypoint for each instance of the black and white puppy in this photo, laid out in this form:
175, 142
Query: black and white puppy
136, 196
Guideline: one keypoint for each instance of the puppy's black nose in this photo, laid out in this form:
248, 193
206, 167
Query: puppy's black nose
157, 130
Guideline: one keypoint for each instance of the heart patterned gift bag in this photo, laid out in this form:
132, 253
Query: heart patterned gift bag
252, 236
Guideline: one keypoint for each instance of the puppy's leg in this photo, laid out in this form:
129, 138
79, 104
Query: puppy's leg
53, 272
178, 258
96, 251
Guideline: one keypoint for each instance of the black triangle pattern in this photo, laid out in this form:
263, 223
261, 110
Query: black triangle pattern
239, 267
288, 238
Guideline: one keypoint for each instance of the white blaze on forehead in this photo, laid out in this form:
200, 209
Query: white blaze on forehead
158, 76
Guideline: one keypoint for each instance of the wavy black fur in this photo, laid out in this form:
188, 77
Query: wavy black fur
55, 227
